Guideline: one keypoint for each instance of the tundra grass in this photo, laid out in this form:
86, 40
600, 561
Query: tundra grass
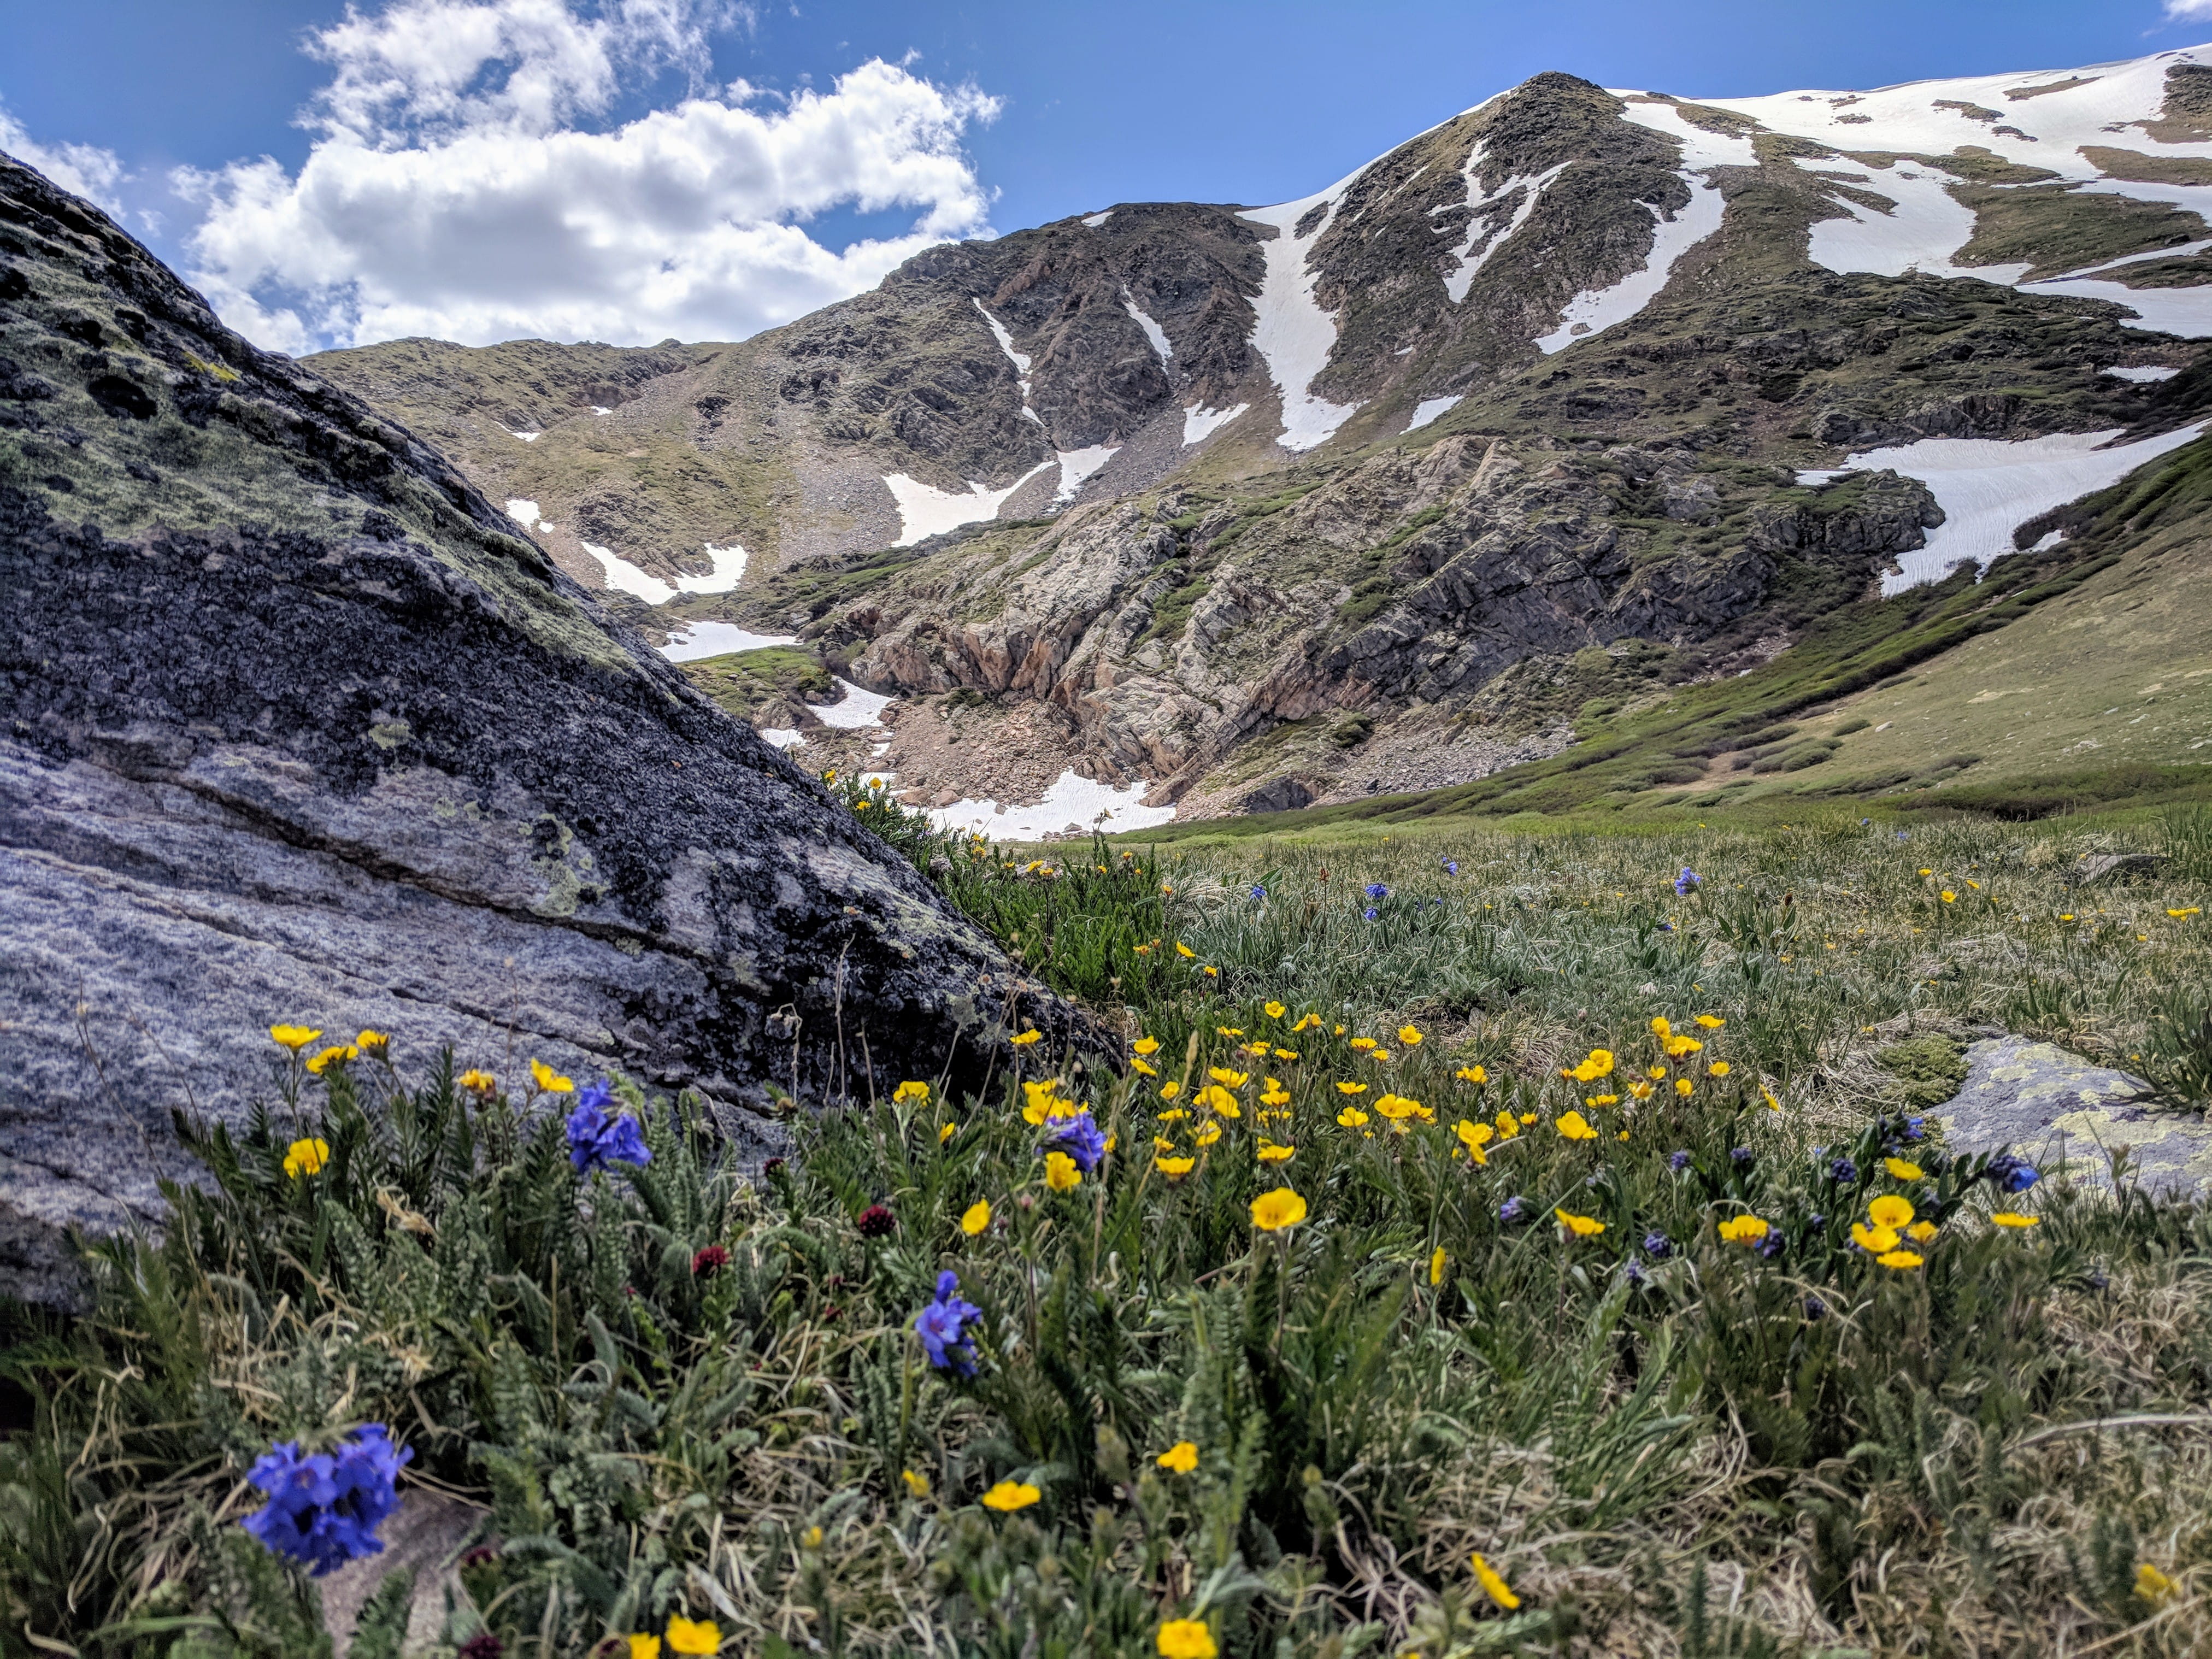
1508, 1325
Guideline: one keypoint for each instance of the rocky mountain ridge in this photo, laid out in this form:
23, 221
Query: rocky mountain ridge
1225, 504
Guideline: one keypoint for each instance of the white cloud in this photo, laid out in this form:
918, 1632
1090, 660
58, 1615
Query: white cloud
454, 187
2178, 10
85, 169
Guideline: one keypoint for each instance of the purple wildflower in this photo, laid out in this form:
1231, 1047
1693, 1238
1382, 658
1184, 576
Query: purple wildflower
598, 1135
943, 1328
1688, 881
1079, 1138
323, 1512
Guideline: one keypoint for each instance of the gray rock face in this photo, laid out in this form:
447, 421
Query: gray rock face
2050, 1105
293, 729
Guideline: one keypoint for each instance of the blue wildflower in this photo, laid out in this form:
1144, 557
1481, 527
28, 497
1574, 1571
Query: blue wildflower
1633, 1273
1451, 866
323, 1512
1666, 926
1770, 1245
1375, 890
1914, 1127
598, 1136
1079, 1138
1741, 1154
1815, 1307
1678, 1162
1843, 1170
943, 1328
1370, 913
2013, 1174
1513, 1211
1259, 894
1686, 883
1658, 1246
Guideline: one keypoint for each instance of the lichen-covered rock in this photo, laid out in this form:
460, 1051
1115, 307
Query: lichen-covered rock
2050, 1105
293, 727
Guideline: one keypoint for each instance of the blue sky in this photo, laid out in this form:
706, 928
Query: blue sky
1090, 104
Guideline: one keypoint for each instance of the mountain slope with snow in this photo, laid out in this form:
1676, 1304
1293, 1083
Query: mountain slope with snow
1272, 502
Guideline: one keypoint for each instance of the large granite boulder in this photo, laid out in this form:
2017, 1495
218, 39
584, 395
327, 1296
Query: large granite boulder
294, 727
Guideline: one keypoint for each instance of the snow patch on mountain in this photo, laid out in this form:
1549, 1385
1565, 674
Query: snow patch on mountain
2142, 375
1426, 411
1072, 805
527, 437
1595, 310
700, 640
1095, 219
729, 567
1198, 424
1989, 486
1153, 332
2186, 311
927, 511
522, 512
1482, 206
1078, 464
857, 710
1921, 232
1293, 333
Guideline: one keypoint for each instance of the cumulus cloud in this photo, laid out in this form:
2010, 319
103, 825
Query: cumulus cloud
85, 169
2188, 10
458, 187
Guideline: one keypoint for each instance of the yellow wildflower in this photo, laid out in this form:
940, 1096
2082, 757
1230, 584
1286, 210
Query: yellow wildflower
1582, 1227
1286, 1053
1271, 1152
329, 1056
1921, 1232
1023, 1039
1660, 1028
1351, 1088
1472, 1074
1709, 1023
1220, 1101
1508, 1124
694, 1637
1744, 1229
478, 1082
916, 1483
1182, 1457
1720, 1068
1209, 1135
644, 1645
945, 1132
2152, 1585
1060, 1173
1186, 1638
548, 1081
1410, 1036
975, 1217
1182, 949
1493, 1586
1011, 1495
1147, 1045
910, 1090
1900, 1260
1175, 1168
1683, 1085
1574, 1126
1352, 1117
1229, 1031
1273, 1212
1228, 1078
1901, 1169
1276, 1010
1170, 1089
376, 1042
1874, 1240
306, 1158
2008, 1219
1142, 1069
1890, 1210
1363, 1042
295, 1038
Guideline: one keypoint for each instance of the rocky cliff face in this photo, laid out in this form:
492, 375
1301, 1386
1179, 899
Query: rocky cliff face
1223, 498
297, 728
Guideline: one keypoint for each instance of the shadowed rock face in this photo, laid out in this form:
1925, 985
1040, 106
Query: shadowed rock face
291, 729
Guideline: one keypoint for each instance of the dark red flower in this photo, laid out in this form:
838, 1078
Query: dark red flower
482, 1645
708, 1261
877, 1222
483, 1555
772, 1166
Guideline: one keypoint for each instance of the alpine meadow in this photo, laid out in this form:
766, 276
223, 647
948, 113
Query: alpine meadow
1462, 918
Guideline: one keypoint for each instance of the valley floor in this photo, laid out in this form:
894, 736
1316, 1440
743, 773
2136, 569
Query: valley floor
1479, 1242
